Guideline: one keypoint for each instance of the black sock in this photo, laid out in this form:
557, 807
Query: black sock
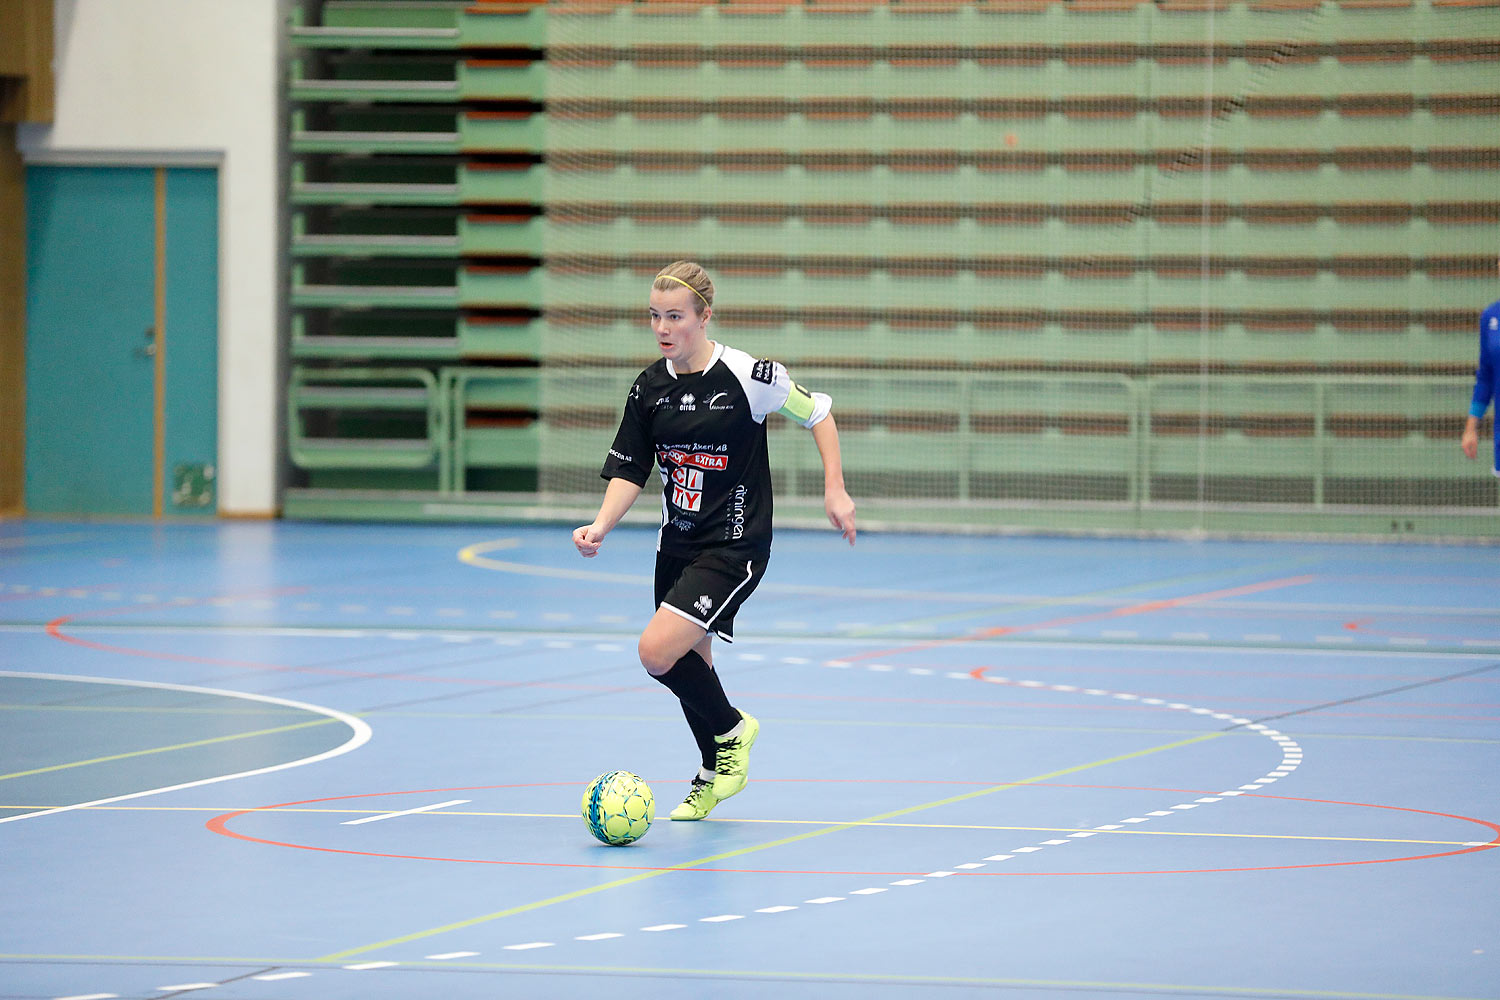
697, 686
703, 733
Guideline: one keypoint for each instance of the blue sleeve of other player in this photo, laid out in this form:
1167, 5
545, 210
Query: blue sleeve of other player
1484, 374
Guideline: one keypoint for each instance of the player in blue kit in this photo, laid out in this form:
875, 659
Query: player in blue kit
1486, 382
698, 414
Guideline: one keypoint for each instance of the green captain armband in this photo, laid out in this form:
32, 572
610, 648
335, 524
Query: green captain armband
800, 405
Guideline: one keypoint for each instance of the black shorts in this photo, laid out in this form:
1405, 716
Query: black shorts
708, 588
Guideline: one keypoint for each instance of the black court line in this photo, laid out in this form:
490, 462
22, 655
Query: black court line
1378, 694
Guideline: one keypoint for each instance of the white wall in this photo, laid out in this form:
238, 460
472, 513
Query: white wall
183, 81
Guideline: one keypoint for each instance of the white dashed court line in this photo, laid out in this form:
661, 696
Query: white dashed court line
1292, 753
1291, 758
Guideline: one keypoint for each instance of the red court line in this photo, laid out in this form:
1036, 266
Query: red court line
1133, 609
219, 825
54, 629
1368, 627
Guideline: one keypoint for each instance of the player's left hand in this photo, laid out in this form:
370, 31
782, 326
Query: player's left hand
587, 539
1470, 443
840, 510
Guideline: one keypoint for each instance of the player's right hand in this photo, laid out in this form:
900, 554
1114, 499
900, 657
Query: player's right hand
1470, 443
587, 540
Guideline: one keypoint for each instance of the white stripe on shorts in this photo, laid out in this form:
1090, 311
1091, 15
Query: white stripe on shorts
749, 575
708, 626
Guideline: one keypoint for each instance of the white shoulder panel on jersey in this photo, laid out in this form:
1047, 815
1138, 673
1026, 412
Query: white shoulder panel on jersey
766, 383
771, 390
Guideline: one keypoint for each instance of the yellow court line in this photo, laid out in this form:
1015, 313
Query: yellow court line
699, 862
474, 555
785, 975
851, 824
177, 746
138, 709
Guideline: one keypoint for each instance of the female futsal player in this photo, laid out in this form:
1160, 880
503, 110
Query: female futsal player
699, 414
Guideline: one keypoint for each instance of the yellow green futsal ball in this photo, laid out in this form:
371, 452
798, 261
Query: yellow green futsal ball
618, 807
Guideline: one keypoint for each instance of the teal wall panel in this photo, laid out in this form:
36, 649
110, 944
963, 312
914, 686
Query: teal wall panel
192, 291
91, 312
89, 303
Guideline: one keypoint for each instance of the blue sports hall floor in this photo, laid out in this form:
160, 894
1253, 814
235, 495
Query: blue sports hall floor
295, 760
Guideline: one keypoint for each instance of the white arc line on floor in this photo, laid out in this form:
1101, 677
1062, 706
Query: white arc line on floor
1291, 754
405, 812
361, 735
1291, 757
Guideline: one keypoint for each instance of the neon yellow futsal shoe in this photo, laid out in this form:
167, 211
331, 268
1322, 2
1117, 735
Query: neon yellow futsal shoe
700, 800
732, 765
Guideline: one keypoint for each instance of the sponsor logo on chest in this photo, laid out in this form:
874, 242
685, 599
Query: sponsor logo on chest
685, 470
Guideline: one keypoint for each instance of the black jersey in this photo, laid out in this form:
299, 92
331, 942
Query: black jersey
706, 432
